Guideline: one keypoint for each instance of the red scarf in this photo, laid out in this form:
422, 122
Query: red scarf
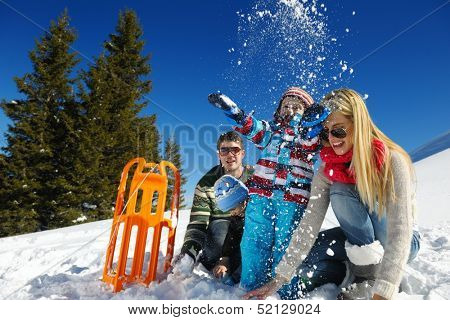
337, 168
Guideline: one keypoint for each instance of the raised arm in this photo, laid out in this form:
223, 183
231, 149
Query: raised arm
257, 131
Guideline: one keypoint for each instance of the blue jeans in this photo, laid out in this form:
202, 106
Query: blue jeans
357, 225
321, 266
269, 224
360, 226
212, 247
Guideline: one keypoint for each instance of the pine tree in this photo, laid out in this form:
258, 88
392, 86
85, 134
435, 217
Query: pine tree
114, 94
172, 154
38, 188
148, 139
14, 218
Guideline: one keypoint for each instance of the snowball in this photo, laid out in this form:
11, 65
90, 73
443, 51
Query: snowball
366, 254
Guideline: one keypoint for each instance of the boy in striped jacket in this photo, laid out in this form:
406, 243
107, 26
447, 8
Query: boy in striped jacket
280, 186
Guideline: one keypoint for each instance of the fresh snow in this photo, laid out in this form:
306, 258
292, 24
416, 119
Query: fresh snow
68, 263
433, 189
301, 39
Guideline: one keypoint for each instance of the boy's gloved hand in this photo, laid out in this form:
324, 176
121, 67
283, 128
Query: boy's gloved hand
230, 108
312, 121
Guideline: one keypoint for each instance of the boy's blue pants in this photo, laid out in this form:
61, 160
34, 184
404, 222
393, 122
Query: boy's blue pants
269, 224
268, 228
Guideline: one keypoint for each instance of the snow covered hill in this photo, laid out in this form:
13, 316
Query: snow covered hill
438, 144
68, 263
433, 189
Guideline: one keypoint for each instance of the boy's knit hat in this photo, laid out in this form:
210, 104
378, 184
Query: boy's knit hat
229, 192
300, 93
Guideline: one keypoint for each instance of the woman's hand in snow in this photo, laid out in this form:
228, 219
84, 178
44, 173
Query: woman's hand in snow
266, 290
378, 297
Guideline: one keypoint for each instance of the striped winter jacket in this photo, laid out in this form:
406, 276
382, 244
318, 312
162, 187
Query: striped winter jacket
285, 169
204, 209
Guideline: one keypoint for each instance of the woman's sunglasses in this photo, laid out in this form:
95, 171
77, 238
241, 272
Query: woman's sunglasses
226, 150
337, 133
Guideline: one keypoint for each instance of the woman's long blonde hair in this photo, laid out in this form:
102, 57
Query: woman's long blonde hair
373, 185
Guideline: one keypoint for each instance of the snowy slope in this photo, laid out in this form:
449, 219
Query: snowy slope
433, 188
434, 146
68, 263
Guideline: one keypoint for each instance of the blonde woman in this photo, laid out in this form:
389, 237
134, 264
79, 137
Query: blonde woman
368, 179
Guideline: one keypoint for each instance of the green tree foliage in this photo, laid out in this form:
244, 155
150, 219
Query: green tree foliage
36, 191
71, 136
113, 96
172, 154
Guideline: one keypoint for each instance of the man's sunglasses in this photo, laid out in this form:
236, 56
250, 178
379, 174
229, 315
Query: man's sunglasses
337, 132
226, 150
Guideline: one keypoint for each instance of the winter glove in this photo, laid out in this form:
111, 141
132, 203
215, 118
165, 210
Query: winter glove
230, 108
312, 121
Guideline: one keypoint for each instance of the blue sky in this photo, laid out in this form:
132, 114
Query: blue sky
406, 79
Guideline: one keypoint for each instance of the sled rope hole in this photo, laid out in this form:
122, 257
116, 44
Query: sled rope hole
126, 204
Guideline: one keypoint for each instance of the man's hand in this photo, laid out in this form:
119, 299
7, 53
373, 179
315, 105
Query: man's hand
219, 271
239, 211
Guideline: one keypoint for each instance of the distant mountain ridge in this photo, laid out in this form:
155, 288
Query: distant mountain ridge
434, 146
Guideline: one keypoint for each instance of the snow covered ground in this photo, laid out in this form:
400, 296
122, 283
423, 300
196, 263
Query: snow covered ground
68, 263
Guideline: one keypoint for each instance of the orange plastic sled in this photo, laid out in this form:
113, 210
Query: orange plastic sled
141, 217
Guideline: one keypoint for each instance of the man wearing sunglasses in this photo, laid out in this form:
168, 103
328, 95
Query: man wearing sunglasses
208, 226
